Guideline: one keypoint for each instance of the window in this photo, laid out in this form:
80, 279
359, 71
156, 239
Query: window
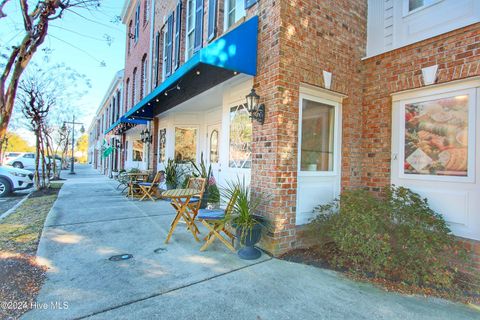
168, 46
143, 79
436, 136
317, 136
118, 104
129, 37
240, 138
137, 23
185, 145
234, 10
212, 19
134, 86
127, 87
214, 156
164, 64
162, 142
29, 156
190, 36
137, 150
417, 4
126, 150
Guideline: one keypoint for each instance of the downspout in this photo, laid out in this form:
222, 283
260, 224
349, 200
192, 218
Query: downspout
149, 80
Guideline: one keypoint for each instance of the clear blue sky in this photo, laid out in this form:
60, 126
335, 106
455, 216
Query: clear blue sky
80, 41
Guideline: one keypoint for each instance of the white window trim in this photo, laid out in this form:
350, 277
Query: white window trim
406, 12
144, 80
239, 13
230, 106
137, 22
187, 32
336, 136
399, 121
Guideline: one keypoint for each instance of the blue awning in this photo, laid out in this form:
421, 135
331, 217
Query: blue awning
234, 52
131, 122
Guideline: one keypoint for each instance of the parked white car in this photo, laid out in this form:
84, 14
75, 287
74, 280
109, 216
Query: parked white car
26, 161
14, 179
11, 155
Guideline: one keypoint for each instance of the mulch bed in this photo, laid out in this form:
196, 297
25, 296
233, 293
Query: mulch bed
21, 276
317, 257
22, 279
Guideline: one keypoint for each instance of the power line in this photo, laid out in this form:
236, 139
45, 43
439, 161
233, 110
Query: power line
80, 49
93, 21
78, 33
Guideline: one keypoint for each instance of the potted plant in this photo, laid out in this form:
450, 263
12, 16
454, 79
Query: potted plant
201, 171
248, 225
171, 176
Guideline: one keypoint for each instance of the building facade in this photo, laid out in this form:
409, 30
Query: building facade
110, 110
358, 94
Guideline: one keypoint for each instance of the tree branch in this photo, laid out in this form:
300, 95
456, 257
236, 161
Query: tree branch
2, 5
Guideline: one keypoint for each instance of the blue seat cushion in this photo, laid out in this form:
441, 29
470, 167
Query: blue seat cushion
211, 214
148, 184
194, 199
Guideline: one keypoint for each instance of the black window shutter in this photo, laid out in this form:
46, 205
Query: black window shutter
168, 70
250, 3
198, 25
212, 19
178, 30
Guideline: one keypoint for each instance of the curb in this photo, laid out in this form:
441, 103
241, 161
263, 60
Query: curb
12, 209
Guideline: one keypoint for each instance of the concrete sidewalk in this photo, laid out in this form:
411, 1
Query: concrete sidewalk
91, 222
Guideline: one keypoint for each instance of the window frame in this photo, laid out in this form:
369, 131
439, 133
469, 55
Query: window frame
137, 23
471, 158
336, 136
192, 31
143, 77
407, 12
240, 12
197, 142
229, 159
164, 53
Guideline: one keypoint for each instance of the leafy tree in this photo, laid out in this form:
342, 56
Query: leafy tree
15, 142
36, 20
82, 146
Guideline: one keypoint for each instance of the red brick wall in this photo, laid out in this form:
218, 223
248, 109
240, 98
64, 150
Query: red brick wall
312, 36
457, 54
133, 59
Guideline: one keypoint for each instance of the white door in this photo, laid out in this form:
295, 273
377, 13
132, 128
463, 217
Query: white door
318, 154
434, 138
213, 150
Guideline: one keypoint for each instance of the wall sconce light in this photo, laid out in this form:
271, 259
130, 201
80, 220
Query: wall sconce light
256, 110
118, 145
145, 136
131, 35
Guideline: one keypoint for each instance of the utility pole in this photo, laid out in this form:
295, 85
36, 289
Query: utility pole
82, 130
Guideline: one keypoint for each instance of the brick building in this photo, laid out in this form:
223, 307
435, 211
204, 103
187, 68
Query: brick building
357, 94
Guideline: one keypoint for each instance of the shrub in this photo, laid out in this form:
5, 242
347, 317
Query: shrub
397, 237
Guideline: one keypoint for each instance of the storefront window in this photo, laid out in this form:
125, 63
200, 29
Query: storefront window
436, 137
317, 136
185, 145
214, 147
137, 150
162, 140
240, 138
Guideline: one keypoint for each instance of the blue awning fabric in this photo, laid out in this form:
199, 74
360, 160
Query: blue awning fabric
234, 52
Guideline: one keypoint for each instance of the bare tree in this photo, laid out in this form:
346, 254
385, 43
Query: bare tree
35, 23
36, 104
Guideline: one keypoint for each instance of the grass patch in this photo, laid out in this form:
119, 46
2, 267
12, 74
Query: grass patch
21, 230
22, 277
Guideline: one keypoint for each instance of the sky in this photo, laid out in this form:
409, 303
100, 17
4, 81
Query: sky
89, 41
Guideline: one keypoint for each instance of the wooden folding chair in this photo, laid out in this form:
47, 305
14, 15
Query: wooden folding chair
215, 221
196, 201
147, 189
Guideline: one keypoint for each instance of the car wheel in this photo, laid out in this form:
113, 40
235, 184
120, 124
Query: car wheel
5, 188
18, 165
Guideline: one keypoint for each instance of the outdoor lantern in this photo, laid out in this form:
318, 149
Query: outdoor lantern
82, 129
256, 110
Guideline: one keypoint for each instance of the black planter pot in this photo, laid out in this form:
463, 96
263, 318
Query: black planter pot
204, 202
250, 239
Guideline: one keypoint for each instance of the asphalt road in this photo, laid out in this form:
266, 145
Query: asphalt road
8, 202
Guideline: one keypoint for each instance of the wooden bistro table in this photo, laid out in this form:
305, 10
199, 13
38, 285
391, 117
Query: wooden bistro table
133, 178
180, 198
